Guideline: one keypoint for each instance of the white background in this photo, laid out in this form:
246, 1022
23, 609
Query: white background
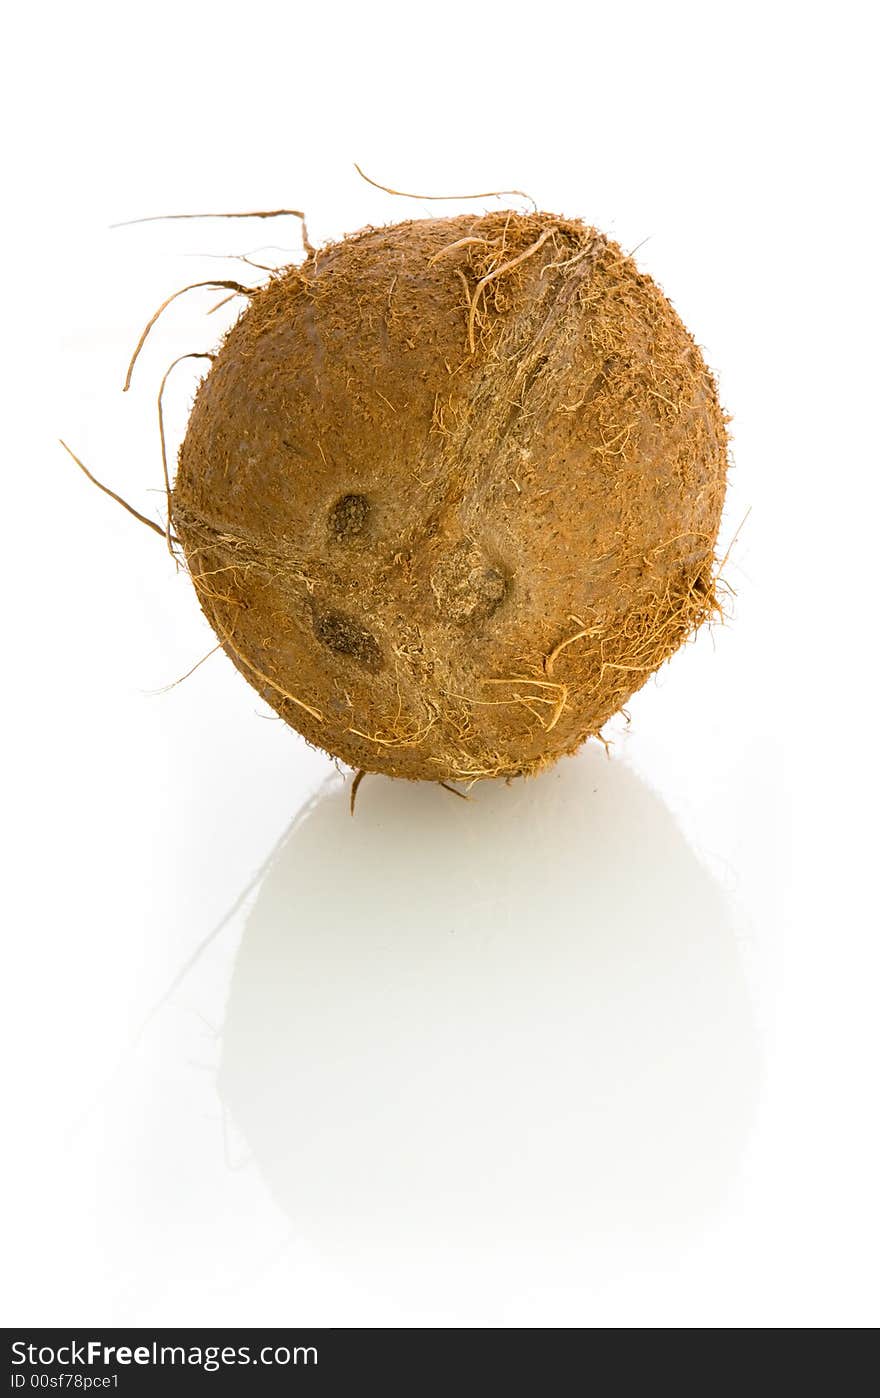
597, 1049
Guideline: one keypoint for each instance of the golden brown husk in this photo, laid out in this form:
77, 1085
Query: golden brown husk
451, 490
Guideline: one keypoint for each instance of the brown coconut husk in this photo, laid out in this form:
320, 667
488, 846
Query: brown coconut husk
451, 491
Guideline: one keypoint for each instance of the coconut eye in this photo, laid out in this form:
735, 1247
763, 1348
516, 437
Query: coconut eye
345, 636
348, 517
466, 586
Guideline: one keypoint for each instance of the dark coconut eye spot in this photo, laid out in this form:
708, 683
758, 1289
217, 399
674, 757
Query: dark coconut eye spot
348, 517
345, 636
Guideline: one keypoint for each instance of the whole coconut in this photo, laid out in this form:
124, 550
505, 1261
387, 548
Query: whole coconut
450, 492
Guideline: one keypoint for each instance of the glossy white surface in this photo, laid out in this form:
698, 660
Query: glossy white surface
598, 1049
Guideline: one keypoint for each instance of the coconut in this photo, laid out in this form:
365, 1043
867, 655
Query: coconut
450, 492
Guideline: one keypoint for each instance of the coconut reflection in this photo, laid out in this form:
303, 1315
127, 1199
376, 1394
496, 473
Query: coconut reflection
520, 1017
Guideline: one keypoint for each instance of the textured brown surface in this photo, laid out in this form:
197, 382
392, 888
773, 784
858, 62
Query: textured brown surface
445, 521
